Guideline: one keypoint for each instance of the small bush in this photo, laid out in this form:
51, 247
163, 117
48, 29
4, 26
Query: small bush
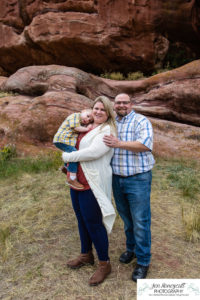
55, 156
120, 76
135, 75
6, 94
113, 76
8, 152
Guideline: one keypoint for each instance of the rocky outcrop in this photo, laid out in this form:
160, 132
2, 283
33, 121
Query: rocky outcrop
98, 36
176, 140
43, 96
35, 100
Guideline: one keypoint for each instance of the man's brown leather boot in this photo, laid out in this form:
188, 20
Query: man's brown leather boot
81, 260
101, 273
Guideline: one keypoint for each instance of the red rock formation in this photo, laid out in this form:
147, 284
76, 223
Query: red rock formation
48, 94
96, 35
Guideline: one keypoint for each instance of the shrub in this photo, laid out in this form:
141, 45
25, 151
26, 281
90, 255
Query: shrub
113, 76
120, 76
8, 152
6, 94
135, 75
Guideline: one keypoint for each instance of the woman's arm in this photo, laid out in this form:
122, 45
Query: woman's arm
96, 149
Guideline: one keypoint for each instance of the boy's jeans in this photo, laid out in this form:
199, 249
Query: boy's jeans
132, 197
72, 166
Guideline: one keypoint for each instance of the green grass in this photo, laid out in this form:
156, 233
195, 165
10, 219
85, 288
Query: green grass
14, 166
182, 176
38, 233
4, 235
185, 178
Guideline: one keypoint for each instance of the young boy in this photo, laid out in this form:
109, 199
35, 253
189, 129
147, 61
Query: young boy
65, 140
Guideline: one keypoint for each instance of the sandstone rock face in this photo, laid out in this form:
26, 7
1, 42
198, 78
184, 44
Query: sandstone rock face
97, 35
46, 95
50, 97
176, 140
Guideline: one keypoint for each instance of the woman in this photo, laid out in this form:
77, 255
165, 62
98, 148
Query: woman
93, 207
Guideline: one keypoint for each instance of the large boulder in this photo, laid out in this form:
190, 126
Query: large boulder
43, 96
98, 36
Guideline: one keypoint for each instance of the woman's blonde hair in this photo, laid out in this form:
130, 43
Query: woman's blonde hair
109, 111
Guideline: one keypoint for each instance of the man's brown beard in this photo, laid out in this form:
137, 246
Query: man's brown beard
121, 115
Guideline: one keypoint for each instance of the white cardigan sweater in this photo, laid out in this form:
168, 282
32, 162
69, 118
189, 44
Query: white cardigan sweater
95, 159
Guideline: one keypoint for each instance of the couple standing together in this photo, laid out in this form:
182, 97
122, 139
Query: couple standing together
113, 153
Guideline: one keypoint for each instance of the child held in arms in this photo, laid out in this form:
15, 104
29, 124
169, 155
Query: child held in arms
66, 137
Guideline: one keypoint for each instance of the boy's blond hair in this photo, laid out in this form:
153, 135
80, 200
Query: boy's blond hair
87, 110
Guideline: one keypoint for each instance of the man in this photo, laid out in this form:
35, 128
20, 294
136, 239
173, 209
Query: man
132, 163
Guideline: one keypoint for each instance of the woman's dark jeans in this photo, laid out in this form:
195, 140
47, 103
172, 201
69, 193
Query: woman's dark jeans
91, 227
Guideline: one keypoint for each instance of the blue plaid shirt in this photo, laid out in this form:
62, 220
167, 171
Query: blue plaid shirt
133, 127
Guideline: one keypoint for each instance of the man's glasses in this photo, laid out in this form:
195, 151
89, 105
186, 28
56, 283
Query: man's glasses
122, 102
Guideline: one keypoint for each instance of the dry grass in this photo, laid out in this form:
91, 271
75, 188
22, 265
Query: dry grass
38, 233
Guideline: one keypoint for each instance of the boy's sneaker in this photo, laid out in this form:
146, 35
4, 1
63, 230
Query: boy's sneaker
75, 184
63, 169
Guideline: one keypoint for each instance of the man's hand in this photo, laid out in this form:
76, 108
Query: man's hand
134, 146
111, 141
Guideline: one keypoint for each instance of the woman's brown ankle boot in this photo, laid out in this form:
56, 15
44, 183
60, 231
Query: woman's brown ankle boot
101, 273
81, 260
